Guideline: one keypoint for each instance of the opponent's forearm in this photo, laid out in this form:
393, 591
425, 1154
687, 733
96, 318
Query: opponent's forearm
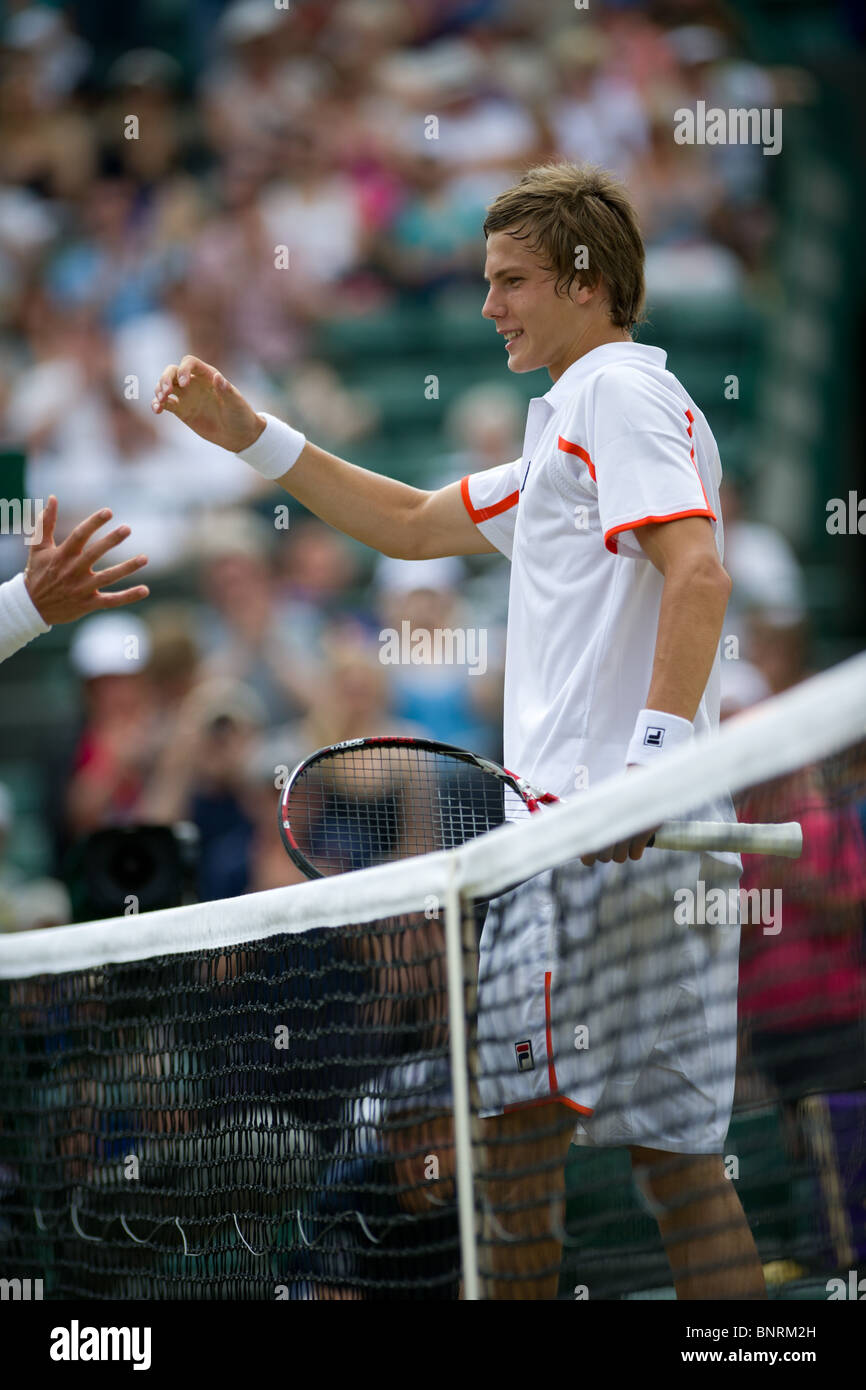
374, 509
690, 625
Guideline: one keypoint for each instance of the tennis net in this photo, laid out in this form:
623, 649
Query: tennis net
289, 1096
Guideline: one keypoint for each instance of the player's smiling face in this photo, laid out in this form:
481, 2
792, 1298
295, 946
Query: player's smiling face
539, 327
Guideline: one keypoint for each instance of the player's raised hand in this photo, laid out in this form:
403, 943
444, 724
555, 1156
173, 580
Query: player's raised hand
61, 580
200, 396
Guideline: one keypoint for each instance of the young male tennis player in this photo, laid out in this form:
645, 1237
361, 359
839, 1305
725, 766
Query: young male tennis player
611, 521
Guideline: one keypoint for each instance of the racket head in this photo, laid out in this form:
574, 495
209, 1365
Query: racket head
369, 801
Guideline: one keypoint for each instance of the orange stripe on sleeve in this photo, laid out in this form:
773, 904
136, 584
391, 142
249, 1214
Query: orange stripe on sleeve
691, 419
568, 448
610, 536
485, 513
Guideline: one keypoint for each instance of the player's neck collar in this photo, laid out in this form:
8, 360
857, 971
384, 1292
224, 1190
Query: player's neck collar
600, 357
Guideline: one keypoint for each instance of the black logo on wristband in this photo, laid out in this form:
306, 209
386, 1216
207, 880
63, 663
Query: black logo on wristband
654, 738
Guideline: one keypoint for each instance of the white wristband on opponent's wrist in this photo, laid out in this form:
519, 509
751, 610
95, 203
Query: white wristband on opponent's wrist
276, 450
655, 733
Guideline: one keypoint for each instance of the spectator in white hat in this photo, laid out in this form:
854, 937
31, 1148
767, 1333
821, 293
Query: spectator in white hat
117, 746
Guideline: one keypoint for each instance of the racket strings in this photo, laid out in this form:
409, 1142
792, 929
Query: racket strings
355, 808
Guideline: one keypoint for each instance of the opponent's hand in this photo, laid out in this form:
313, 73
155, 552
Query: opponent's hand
200, 396
60, 579
632, 848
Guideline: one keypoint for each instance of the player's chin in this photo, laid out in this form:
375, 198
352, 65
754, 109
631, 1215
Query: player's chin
522, 362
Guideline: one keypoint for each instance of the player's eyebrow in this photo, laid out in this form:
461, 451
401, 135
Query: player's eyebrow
504, 273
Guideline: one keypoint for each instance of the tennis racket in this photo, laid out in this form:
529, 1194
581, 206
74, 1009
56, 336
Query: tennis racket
369, 801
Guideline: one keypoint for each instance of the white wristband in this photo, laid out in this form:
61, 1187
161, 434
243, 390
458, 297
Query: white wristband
20, 619
276, 450
655, 733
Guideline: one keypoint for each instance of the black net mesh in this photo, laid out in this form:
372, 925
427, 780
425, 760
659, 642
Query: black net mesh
275, 1120
235, 1124
795, 1152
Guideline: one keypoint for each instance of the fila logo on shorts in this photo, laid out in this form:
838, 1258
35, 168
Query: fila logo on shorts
616, 443
525, 1060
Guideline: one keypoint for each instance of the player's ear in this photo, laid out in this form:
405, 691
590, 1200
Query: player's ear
585, 290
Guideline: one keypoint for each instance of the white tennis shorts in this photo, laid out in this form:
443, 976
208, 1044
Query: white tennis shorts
606, 989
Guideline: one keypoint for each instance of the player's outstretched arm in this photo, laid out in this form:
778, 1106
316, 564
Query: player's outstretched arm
381, 512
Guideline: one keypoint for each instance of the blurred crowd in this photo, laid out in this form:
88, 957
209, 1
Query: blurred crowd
152, 192
230, 179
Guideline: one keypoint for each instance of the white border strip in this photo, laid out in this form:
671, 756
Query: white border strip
363, 896
805, 724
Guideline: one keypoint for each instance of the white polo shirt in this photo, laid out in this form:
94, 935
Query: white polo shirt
615, 444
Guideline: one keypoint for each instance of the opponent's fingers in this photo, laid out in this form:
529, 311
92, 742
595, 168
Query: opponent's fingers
80, 534
115, 572
45, 524
94, 552
121, 600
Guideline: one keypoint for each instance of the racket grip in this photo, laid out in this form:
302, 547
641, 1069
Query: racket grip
785, 839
